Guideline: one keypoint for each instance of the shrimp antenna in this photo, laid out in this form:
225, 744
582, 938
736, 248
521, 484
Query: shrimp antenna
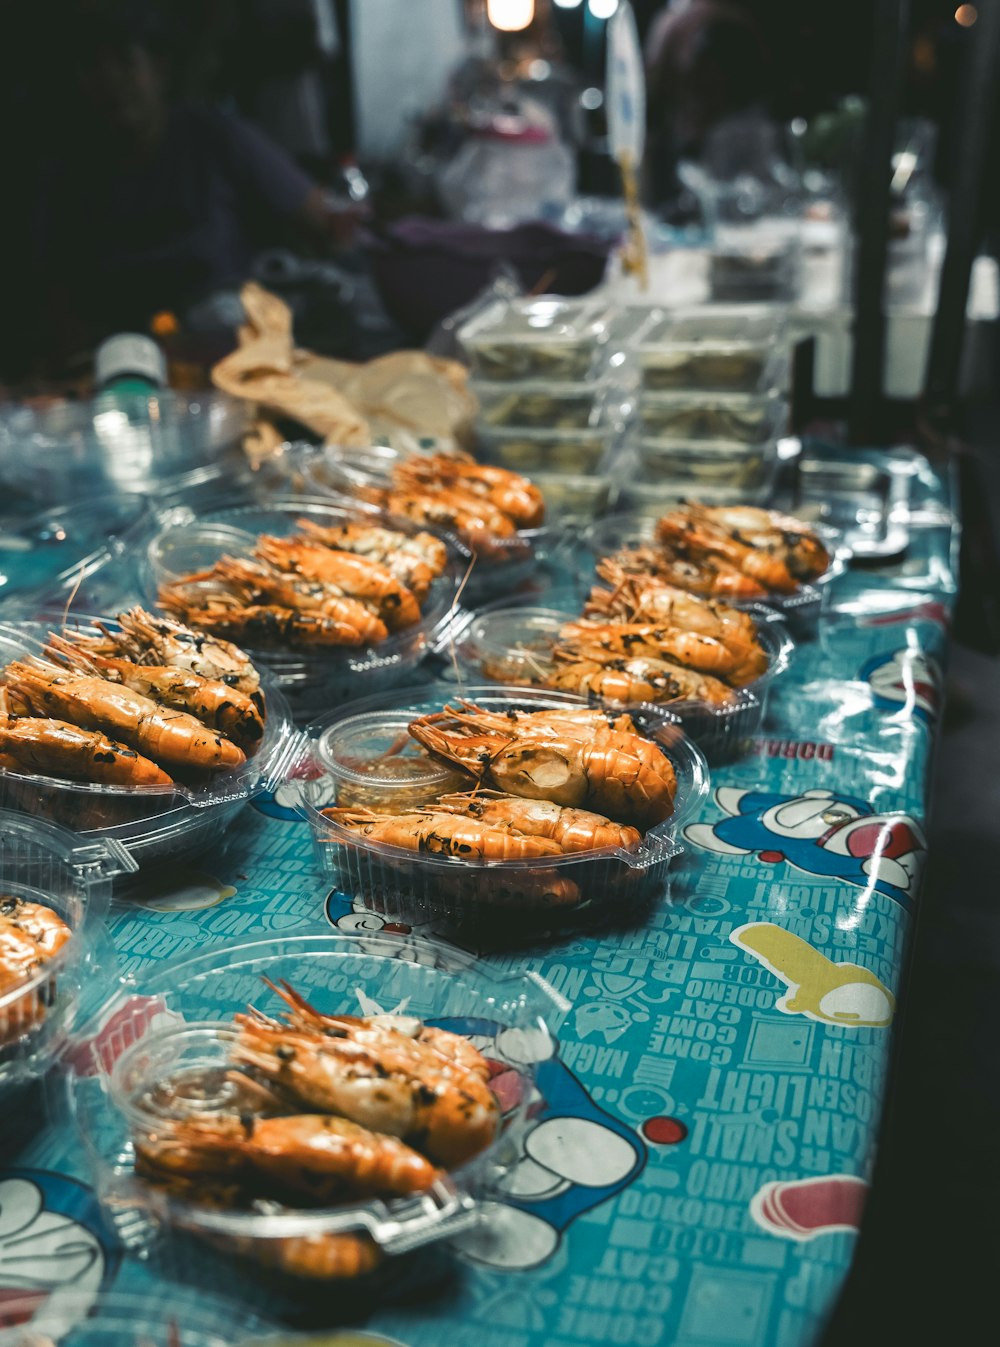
451, 630
73, 593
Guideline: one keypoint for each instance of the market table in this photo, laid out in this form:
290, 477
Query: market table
700, 1150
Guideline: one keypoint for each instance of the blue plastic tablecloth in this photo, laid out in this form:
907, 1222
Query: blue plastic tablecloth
704, 1137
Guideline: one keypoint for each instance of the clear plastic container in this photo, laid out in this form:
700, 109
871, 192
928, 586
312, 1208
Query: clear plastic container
62, 548
713, 464
46, 864
737, 417
340, 473
538, 404
114, 443
369, 761
547, 338
507, 899
311, 679
582, 451
150, 822
164, 1314
512, 644
760, 262
186, 1040
636, 527
652, 499
738, 350
570, 497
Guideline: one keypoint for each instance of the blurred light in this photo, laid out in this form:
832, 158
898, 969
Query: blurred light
568, 4
591, 99
966, 15
539, 70
602, 9
510, 16
799, 126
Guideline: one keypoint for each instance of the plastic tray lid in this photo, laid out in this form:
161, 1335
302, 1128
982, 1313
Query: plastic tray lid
26, 842
715, 326
279, 750
443, 980
658, 723
538, 320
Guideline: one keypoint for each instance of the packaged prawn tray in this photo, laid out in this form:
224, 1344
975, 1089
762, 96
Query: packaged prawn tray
500, 813
633, 663
54, 891
238, 1131
80, 749
331, 600
492, 515
741, 349
548, 338
738, 554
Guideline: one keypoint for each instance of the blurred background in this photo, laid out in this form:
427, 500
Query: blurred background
159, 154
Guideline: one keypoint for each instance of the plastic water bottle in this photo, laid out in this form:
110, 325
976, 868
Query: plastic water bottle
129, 362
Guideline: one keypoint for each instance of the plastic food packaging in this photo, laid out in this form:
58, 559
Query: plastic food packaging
737, 417
62, 549
156, 821
180, 1041
571, 496
546, 338
129, 442
634, 528
717, 466
512, 644
758, 262
168, 1315
502, 899
652, 499
538, 404
738, 350
71, 875
340, 474
583, 451
371, 762
315, 679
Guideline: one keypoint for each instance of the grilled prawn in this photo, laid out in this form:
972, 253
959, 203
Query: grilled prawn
311, 1155
379, 1086
644, 676
355, 577
439, 833
507, 491
574, 830
345, 622
30, 935
707, 576
415, 560
692, 649
213, 703
159, 640
35, 688
457, 1052
615, 772
803, 552
56, 748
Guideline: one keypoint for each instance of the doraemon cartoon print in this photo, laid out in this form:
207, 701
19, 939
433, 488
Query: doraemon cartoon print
820, 833
572, 1156
905, 680
56, 1254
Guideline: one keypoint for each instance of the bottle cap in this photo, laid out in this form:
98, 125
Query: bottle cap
129, 353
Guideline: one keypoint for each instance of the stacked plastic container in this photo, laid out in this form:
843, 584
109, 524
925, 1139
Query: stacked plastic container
549, 406
710, 405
